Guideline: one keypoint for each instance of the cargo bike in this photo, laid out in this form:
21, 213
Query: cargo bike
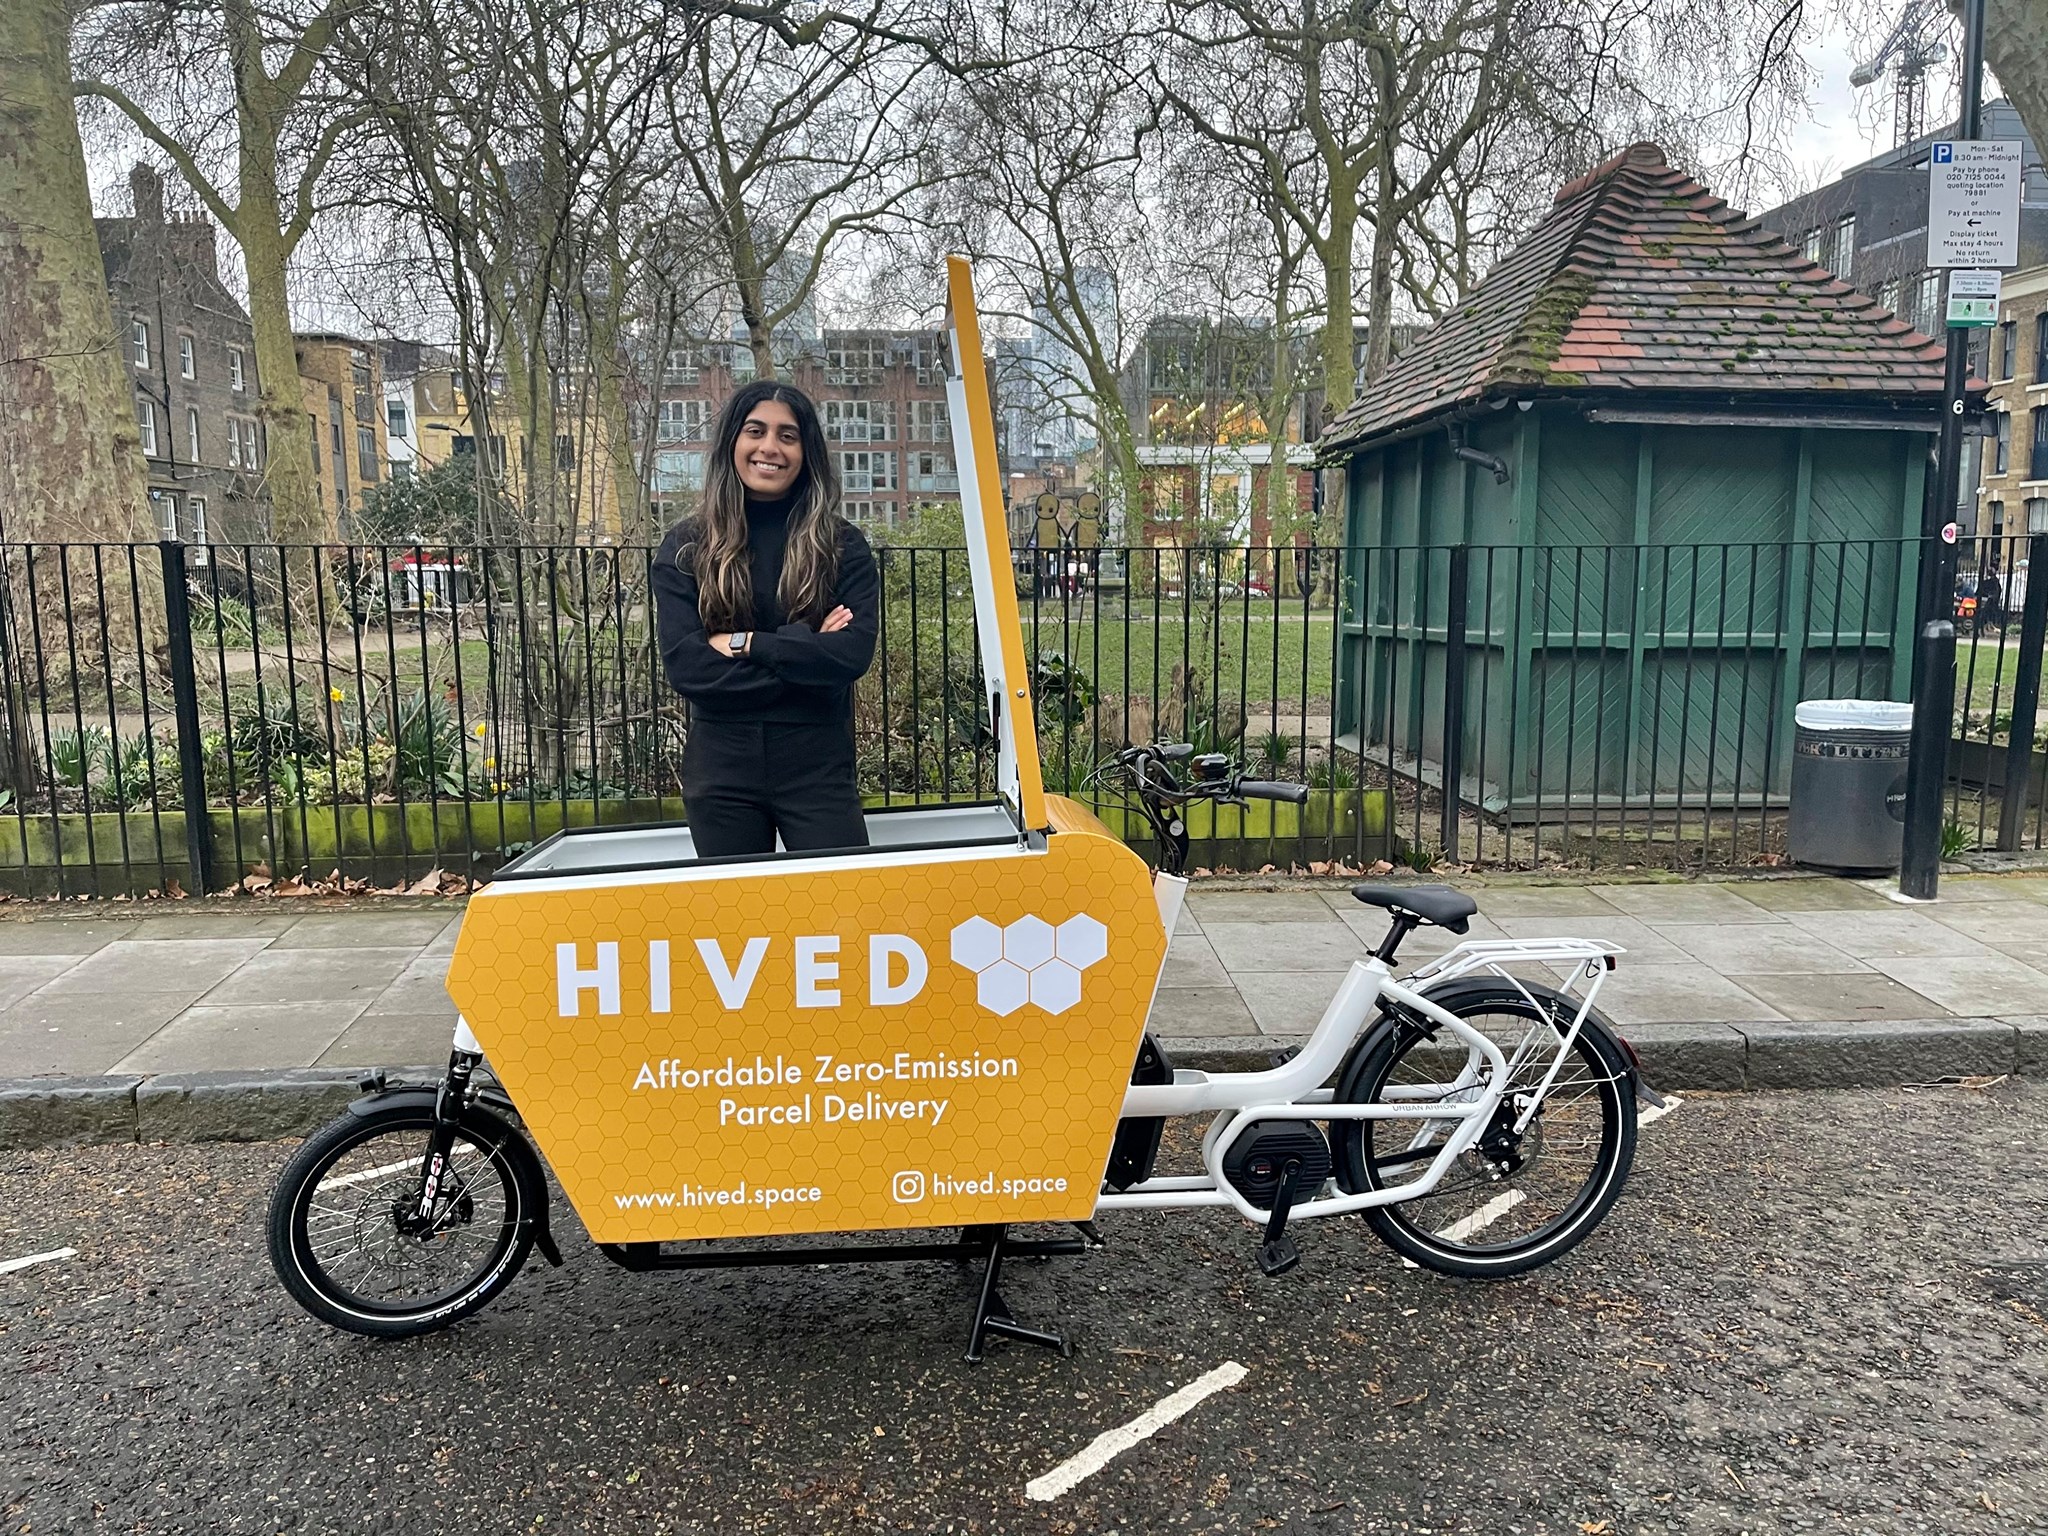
944, 1034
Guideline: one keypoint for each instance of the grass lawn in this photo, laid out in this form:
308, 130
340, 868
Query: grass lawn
1264, 657
1986, 668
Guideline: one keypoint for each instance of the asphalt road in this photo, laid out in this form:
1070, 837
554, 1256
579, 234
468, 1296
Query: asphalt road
1817, 1312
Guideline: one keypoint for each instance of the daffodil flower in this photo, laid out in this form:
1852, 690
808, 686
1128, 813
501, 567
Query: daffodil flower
336, 695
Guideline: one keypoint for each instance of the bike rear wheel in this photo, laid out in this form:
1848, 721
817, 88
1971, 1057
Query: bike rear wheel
1515, 1200
349, 1243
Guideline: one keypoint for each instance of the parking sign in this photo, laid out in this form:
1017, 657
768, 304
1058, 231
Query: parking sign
1973, 204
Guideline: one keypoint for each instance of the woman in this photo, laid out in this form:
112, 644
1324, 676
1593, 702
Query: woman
766, 607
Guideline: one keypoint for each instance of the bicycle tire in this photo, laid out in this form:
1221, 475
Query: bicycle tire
307, 1275
1409, 1228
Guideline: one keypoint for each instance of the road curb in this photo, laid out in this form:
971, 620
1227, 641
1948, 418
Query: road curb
46, 1112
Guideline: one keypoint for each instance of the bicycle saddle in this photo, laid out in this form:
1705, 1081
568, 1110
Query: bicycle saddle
1437, 904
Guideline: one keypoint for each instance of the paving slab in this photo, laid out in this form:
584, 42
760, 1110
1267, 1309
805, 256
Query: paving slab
60, 935
231, 924
422, 987
239, 1038
390, 1039
1191, 962
444, 941
1977, 888
1975, 987
1896, 934
1878, 1054
184, 966
1779, 948
362, 930
1644, 945
1499, 902
80, 1032
1258, 907
1810, 895
22, 974
1849, 997
1370, 924
1315, 946
68, 1111
1678, 994
1660, 904
312, 976
1287, 1002
1191, 1012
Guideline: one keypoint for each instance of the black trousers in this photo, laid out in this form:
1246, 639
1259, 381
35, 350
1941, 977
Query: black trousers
742, 784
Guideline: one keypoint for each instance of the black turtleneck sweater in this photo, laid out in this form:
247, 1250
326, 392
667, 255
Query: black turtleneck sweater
791, 674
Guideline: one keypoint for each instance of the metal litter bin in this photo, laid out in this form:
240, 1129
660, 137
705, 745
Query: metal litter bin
1848, 783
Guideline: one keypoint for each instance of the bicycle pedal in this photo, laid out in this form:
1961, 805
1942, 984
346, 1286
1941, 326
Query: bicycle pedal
1277, 1256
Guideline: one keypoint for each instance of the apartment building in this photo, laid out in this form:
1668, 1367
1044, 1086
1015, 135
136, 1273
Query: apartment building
343, 382
2012, 497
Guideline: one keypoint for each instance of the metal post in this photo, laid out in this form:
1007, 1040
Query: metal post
2026, 696
1457, 604
1934, 679
185, 704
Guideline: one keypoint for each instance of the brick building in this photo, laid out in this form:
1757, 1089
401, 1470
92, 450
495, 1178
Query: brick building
192, 357
882, 398
2013, 495
343, 381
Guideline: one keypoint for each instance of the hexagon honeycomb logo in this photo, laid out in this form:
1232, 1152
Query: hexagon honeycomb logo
1030, 961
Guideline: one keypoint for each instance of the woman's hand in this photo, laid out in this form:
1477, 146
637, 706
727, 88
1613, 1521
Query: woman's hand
722, 644
836, 620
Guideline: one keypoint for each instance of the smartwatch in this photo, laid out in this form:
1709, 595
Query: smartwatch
740, 640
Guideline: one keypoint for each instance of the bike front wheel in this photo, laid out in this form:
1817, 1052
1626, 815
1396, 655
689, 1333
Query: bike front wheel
1516, 1199
348, 1238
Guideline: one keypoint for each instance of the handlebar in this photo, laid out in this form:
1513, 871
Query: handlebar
1266, 789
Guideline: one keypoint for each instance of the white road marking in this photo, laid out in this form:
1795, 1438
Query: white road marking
1112, 1443
9, 1266
1482, 1218
368, 1174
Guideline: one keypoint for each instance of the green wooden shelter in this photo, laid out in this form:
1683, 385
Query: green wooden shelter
1670, 473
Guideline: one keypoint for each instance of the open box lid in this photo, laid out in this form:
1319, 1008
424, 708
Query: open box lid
999, 633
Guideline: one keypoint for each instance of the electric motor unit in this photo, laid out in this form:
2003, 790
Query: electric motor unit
1257, 1159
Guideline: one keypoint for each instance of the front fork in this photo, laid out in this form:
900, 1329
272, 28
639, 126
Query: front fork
449, 1102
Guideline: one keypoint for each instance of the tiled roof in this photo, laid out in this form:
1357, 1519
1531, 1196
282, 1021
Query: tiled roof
1642, 281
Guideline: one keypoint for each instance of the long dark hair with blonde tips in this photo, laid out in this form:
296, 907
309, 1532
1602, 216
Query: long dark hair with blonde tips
810, 562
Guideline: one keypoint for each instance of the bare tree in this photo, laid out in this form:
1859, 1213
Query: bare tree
236, 96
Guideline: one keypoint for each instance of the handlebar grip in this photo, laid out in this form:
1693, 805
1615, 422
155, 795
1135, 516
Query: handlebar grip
1266, 789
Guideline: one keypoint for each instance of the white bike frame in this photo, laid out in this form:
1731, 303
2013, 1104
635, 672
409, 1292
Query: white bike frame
1294, 1090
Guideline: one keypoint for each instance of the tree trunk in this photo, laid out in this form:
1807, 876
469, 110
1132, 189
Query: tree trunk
70, 451
296, 514
1338, 316
2016, 45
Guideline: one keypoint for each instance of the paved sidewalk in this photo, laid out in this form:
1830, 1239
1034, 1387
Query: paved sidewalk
1711, 969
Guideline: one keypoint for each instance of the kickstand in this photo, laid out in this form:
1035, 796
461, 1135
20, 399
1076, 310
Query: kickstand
992, 1313
1277, 1254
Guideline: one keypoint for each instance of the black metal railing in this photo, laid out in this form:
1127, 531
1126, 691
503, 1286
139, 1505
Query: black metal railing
202, 716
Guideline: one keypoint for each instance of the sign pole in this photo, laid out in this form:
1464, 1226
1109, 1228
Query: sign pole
1935, 653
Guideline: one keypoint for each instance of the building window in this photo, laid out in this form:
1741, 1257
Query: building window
855, 359
929, 422
192, 434
933, 471
145, 419
2005, 356
676, 470
138, 342
565, 451
252, 457
859, 421
683, 421
868, 512
188, 366
682, 366
742, 364
401, 471
235, 446
366, 455
313, 422
359, 378
165, 511
2041, 347
334, 424
1927, 314
195, 514
1810, 246
2037, 460
397, 421
861, 473
235, 379
2001, 442
1845, 248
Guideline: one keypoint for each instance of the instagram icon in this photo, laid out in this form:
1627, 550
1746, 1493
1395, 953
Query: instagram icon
908, 1187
